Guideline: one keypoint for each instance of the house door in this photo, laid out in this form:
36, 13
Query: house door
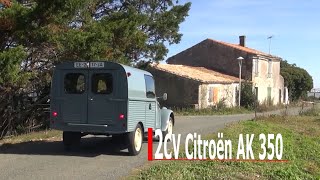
256, 93
269, 96
280, 96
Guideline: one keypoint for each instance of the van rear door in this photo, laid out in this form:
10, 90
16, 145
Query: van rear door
74, 96
101, 106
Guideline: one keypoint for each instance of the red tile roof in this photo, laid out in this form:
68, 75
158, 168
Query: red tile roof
196, 73
245, 49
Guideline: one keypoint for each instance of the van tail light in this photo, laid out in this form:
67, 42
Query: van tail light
54, 114
121, 116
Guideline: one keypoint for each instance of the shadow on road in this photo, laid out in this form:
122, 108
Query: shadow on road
89, 147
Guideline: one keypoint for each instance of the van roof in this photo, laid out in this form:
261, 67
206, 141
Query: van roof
132, 69
71, 65
135, 78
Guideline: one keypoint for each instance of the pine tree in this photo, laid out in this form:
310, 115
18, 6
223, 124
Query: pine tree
37, 34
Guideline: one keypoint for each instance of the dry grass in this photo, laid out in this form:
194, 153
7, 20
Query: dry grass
48, 135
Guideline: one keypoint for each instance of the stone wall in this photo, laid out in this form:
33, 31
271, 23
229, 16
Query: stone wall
226, 93
182, 92
215, 56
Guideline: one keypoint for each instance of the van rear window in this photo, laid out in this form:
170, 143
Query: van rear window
102, 83
74, 83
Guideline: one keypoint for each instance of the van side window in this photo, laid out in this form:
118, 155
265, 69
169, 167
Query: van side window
74, 83
102, 83
150, 86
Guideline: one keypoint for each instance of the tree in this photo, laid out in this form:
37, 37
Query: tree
298, 80
36, 34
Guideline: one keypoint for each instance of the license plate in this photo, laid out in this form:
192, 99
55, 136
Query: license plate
81, 65
96, 64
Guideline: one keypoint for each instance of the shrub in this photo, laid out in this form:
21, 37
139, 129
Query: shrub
310, 112
247, 95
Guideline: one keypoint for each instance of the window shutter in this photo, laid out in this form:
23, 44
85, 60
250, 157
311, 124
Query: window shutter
254, 66
257, 66
216, 95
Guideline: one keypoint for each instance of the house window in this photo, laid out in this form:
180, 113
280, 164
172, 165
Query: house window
210, 98
256, 67
269, 68
213, 95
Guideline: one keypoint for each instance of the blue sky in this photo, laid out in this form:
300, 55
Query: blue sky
293, 23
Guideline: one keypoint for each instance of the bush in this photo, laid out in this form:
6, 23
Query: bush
247, 95
221, 104
310, 112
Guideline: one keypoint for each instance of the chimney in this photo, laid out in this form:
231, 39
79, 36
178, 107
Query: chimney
242, 41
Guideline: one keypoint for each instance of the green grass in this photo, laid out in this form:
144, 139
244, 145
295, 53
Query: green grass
301, 142
210, 111
226, 111
33, 136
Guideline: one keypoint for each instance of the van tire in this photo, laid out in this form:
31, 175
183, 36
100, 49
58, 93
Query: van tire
71, 139
135, 139
169, 129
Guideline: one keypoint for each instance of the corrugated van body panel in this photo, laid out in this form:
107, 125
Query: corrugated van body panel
136, 114
150, 115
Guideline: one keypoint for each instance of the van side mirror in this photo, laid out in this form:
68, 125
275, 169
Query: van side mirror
165, 96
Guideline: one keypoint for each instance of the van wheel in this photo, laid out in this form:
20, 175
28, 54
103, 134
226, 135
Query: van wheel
135, 141
71, 139
169, 129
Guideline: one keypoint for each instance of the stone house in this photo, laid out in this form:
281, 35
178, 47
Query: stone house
260, 68
197, 87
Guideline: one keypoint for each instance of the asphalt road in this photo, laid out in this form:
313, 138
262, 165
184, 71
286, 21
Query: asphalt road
97, 158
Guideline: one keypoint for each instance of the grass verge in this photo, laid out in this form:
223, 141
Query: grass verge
210, 111
33, 136
301, 143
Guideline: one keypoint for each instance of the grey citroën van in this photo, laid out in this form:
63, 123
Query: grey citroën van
106, 98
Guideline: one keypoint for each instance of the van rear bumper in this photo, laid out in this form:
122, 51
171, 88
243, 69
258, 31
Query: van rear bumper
89, 128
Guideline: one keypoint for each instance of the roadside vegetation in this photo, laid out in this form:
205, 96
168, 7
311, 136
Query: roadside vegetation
33, 136
228, 111
248, 105
37, 35
301, 137
210, 111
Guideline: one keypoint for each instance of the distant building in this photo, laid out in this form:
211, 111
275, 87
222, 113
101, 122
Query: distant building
260, 68
314, 93
198, 87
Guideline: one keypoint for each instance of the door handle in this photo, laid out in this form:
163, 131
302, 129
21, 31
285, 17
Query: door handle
150, 106
91, 99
